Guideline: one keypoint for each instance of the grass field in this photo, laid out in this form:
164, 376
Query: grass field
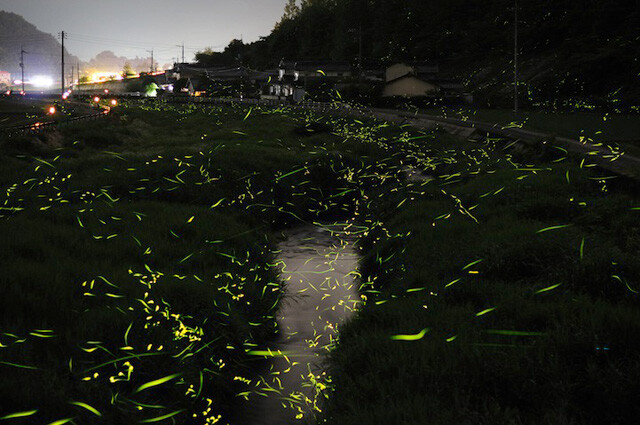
621, 129
138, 279
503, 291
138, 251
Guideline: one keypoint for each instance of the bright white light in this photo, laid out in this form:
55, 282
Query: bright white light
41, 81
17, 82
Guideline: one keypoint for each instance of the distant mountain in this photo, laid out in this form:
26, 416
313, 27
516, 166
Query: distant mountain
43, 50
107, 61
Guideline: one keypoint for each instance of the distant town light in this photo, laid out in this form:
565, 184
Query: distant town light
96, 99
103, 76
52, 110
106, 91
114, 102
41, 81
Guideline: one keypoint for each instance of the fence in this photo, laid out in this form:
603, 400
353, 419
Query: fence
40, 127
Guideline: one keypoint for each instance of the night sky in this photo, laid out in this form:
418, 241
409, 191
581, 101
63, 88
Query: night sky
131, 27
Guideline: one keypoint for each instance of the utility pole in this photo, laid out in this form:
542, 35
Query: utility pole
515, 59
178, 58
62, 37
78, 68
72, 69
22, 52
151, 67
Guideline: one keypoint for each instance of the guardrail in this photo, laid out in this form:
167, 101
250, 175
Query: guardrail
40, 127
211, 100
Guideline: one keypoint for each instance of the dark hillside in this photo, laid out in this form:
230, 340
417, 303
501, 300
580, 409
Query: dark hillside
43, 50
584, 50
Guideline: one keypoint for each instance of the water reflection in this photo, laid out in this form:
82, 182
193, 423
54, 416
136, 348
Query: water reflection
318, 264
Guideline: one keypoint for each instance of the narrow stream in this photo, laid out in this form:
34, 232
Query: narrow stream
317, 263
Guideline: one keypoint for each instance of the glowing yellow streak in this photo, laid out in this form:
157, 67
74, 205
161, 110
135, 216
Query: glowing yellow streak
414, 337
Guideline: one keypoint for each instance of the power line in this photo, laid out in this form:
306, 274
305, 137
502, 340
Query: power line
98, 39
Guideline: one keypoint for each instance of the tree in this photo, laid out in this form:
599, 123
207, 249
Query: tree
127, 71
291, 10
234, 50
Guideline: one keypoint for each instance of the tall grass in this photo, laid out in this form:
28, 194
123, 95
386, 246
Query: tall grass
138, 273
524, 276
141, 250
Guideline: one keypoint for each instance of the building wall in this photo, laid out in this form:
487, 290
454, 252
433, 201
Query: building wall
396, 71
409, 87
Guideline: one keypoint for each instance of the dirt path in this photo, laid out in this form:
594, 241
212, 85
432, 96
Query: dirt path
626, 165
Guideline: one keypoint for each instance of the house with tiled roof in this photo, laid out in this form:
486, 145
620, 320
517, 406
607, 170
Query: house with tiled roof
419, 79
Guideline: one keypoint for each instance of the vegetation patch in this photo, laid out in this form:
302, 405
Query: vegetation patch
139, 281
